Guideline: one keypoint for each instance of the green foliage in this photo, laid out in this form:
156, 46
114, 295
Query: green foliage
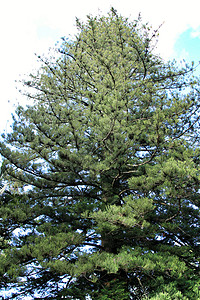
171, 291
103, 172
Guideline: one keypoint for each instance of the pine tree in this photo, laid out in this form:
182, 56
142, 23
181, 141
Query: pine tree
106, 163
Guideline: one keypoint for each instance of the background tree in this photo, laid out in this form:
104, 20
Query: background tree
106, 160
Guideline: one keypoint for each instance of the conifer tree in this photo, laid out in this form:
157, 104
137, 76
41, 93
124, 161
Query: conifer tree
105, 159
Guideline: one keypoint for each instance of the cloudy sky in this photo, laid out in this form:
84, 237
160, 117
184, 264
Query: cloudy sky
28, 27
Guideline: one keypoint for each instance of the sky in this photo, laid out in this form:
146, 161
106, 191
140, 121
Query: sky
29, 27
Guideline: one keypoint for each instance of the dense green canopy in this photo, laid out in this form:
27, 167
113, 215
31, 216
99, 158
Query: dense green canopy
103, 172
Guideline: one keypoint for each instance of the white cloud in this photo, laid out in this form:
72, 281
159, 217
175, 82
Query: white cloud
195, 33
22, 22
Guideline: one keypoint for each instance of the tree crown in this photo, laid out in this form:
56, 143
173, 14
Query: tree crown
105, 161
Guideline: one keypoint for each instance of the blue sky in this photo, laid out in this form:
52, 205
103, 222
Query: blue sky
187, 45
28, 27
